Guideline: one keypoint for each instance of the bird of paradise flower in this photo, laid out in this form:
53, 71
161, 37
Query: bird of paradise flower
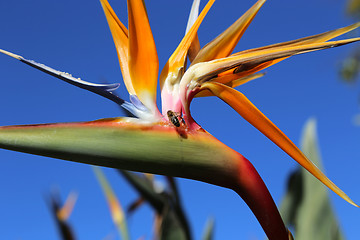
170, 141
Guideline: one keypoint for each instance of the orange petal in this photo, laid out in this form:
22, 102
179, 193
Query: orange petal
240, 81
253, 115
236, 79
176, 62
233, 81
322, 37
194, 49
224, 44
319, 38
195, 45
252, 60
143, 60
245, 70
120, 37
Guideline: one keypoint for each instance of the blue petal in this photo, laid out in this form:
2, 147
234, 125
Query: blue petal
70, 79
104, 90
137, 103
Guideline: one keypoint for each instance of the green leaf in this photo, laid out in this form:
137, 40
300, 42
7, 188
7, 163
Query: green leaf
145, 188
306, 206
209, 230
171, 228
174, 221
116, 210
353, 8
350, 68
199, 156
178, 207
158, 149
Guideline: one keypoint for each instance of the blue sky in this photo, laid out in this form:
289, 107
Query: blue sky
73, 36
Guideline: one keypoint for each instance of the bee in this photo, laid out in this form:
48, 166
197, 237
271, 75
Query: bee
174, 118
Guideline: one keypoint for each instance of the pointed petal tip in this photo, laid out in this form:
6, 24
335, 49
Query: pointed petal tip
194, 13
223, 45
104, 90
177, 59
67, 77
260, 3
253, 115
353, 26
348, 199
18, 57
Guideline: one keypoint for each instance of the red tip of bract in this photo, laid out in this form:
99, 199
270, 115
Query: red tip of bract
254, 192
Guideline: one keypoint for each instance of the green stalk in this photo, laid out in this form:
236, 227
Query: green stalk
154, 149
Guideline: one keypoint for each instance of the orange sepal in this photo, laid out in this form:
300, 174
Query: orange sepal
143, 59
224, 44
253, 115
251, 62
177, 60
120, 37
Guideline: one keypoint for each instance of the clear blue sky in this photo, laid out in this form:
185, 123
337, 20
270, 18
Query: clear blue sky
73, 36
